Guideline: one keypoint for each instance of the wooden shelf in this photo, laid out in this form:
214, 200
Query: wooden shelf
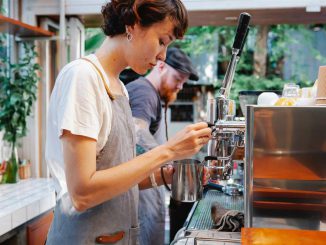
20, 29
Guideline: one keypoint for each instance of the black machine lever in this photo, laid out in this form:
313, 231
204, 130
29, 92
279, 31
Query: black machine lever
242, 29
243, 43
239, 41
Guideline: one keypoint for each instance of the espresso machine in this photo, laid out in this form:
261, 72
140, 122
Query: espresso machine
223, 148
227, 133
284, 170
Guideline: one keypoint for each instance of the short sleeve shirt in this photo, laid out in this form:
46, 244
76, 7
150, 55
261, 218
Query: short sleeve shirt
145, 102
79, 104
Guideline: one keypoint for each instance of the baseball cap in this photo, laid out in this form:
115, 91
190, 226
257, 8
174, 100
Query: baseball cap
176, 58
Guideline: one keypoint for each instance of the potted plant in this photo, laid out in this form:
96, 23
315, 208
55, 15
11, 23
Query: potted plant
18, 88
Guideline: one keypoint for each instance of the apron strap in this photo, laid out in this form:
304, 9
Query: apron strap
102, 78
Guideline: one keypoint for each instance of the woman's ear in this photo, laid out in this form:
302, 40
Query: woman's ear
132, 28
128, 29
130, 32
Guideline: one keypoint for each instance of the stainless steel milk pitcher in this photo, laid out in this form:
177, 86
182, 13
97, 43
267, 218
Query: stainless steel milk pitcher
187, 180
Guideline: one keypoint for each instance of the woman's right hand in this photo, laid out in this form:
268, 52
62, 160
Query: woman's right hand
189, 141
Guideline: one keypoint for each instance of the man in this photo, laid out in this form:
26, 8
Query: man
163, 83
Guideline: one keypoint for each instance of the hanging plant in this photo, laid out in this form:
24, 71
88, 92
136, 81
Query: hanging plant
18, 89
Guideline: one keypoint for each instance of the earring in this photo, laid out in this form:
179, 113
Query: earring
129, 36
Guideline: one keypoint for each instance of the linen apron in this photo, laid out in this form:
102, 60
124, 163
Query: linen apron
116, 216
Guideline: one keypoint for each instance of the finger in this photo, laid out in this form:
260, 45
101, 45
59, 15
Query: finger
206, 176
206, 170
202, 140
170, 168
199, 141
198, 126
205, 132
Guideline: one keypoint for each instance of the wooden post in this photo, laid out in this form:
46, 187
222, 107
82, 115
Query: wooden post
260, 55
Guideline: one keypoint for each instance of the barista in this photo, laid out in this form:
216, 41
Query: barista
90, 134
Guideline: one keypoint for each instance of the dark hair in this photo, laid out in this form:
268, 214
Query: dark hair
119, 13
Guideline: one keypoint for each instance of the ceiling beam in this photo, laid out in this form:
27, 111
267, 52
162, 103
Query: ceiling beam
93, 7
259, 17
201, 12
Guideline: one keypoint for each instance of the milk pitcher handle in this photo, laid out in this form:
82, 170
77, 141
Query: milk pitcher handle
163, 178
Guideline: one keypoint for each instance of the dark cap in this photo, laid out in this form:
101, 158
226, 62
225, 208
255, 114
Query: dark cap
180, 61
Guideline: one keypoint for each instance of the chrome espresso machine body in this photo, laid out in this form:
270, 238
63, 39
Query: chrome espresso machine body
285, 173
227, 139
228, 133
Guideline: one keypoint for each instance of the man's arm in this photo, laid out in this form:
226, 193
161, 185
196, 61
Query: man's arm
146, 140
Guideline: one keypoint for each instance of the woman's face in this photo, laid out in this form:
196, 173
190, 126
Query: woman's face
149, 45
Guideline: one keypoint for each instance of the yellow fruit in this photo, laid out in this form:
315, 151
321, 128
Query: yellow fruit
285, 101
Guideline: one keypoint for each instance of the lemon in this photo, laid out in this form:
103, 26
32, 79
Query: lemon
285, 101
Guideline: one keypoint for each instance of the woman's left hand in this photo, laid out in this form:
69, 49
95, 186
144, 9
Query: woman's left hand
206, 176
168, 173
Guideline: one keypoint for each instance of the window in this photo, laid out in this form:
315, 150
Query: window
182, 113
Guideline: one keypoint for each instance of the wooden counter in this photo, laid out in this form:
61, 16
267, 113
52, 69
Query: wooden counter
264, 236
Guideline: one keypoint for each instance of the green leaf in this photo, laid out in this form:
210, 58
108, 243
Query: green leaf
18, 91
94, 38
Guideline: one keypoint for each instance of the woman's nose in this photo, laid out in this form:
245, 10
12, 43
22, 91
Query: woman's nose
162, 55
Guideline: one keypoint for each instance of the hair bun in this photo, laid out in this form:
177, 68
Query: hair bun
116, 15
119, 13
128, 15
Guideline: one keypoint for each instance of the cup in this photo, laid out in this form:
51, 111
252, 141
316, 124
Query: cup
187, 180
291, 90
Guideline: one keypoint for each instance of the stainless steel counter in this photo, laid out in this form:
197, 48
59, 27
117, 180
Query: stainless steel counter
286, 167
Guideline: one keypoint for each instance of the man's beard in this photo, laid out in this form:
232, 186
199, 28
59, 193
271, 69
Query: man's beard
166, 94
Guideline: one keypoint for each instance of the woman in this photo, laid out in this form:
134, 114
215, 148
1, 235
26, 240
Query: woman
90, 133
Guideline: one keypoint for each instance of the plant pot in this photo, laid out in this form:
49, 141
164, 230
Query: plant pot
11, 173
24, 171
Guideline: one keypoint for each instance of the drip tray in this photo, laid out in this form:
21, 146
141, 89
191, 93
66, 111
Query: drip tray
201, 217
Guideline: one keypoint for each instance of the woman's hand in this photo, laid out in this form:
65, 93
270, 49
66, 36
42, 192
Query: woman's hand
206, 176
168, 171
188, 141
